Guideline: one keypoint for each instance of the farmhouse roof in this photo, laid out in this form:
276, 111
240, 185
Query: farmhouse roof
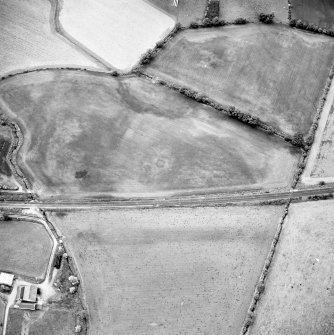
6, 279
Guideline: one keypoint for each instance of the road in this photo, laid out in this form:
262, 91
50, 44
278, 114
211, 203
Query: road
184, 201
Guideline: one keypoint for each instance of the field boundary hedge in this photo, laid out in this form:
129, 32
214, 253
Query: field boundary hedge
229, 111
299, 24
260, 287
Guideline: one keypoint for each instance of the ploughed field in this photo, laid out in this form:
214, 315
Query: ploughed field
319, 12
25, 248
299, 294
91, 135
117, 31
270, 71
28, 41
186, 12
169, 271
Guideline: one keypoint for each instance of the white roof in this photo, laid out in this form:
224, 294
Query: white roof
6, 279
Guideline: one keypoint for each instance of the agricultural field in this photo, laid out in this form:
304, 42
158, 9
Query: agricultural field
260, 69
320, 164
29, 246
299, 293
51, 321
250, 9
169, 271
28, 41
2, 314
117, 31
319, 12
7, 180
93, 135
186, 12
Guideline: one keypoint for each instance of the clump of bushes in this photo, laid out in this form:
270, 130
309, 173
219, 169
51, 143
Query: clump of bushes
150, 54
194, 25
240, 20
298, 140
266, 18
215, 22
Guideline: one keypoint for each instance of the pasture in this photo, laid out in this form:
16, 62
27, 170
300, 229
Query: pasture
93, 135
27, 40
186, 12
118, 31
169, 271
250, 9
25, 248
319, 12
260, 69
51, 321
299, 293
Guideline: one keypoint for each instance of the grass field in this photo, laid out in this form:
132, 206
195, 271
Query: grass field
250, 9
319, 12
186, 12
51, 321
25, 248
172, 271
260, 69
27, 40
118, 31
88, 135
299, 294
2, 314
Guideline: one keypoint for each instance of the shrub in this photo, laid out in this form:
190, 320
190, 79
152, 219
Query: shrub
292, 23
266, 18
160, 44
260, 288
240, 20
298, 140
215, 21
300, 24
207, 22
194, 25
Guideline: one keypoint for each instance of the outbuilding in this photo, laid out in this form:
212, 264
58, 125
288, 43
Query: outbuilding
26, 297
6, 279
6, 282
